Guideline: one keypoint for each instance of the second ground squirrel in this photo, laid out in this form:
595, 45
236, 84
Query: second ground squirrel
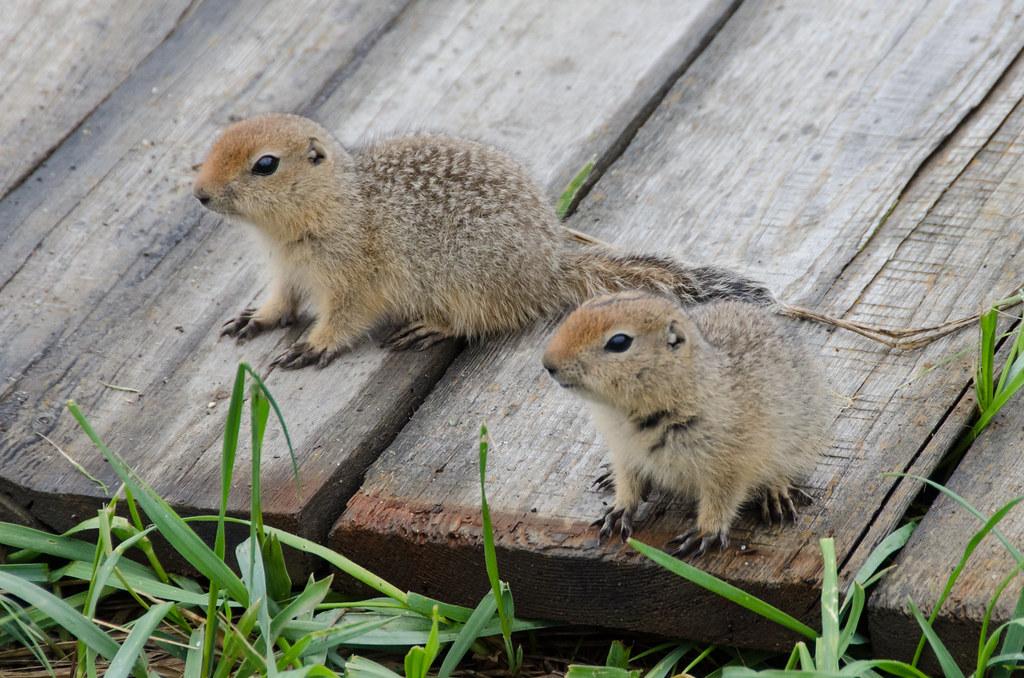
446, 237
716, 402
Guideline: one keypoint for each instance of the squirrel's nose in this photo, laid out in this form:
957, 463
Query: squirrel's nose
202, 196
552, 370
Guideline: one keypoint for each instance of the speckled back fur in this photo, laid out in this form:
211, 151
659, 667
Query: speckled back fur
450, 233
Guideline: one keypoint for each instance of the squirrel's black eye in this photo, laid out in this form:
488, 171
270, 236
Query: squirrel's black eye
265, 166
619, 343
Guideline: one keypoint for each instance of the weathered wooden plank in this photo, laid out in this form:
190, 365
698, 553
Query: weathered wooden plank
524, 69
59, 60
986, 200
106, 252
794, 183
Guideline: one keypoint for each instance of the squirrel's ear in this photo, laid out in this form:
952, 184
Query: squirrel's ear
316, 152
675, 335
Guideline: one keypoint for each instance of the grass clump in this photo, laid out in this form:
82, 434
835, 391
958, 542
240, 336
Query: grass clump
224, 623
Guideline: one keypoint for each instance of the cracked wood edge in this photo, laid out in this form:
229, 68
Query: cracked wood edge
795, 184
518, 75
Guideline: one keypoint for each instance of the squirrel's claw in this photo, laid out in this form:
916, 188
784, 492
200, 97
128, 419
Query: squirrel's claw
604, 482
612, 517
778, 504
242, 326
697, 543
416, 336
302, 354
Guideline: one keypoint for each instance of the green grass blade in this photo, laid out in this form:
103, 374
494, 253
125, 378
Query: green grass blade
972, 544
806, 660
424, 605
828, 659
853, 619
1010, 548
20, 628
946, 661
668, 662
37, 573
259, 411
618, 655
990, 646
361, 667
983, 380
569, 194
699, 658
357, 572
723, 589
194, 658
34, 541
280, 418
1013, 642
175, 530
317, 671
345, 634
131, 652
304, 603
151, 586
60, 612
896, 668
990, 608
888, 546
279, 582
229, 450
490, 555
99, 579
250, 563
470, 631
578, 671
1012, 365
502, 594
998, 402
1006, 660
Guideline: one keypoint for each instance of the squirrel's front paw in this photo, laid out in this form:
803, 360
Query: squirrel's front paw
302, 354
695, 542
243, 326
622, 517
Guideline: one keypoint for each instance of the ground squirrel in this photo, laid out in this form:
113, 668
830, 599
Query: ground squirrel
446, 237
715, 402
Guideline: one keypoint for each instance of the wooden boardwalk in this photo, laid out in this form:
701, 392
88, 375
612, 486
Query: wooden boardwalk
864, 159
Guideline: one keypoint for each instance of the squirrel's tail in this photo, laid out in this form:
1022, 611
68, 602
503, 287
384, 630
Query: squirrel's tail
595, 269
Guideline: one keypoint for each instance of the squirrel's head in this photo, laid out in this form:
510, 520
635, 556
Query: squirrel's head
624, 349
271, 170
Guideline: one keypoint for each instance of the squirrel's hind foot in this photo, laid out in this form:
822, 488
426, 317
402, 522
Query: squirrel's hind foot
416, 336
302, 354
778, 505
696, 543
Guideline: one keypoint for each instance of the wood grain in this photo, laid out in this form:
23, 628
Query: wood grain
784, 151
986, 200
59, 60
142, 282
110, 273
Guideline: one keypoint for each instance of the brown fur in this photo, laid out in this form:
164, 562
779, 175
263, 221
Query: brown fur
716, 402
449, 237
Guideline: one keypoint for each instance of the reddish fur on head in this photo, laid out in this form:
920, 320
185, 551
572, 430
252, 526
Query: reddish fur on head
278, 202
660, 335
